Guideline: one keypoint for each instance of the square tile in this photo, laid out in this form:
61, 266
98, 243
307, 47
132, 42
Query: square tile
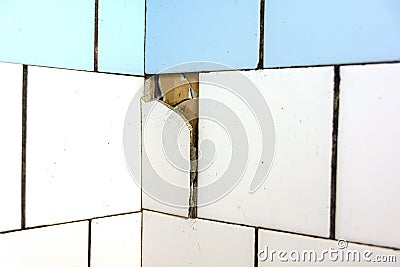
76, 167
368, 183
48, 33
62, 245
295, 195
121, 36
283, 249
116, 241
11, 145
173, 241
225, 32
308, 32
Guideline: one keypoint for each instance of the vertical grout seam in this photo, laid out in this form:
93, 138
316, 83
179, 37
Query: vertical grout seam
144, 38
96, 36
260, 64
89, 242
256, 247
335, 126
141, 238
23, 150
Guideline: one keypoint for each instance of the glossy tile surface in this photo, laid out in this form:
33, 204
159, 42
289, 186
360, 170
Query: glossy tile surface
48, 33
178, 31
76, 167
308, 32
11, 145
368, 183
62, 245
165, 185
116, 241
121, 36
282, 249
295, 195
181, 242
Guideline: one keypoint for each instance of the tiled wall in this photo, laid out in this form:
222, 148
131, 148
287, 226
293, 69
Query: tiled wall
328, 71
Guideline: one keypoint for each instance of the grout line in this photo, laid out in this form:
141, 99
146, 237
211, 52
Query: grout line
256, 247
261, 41
23, 154
147, 75
96, 36
90, 243
165, 213
335, 125
62, 223
273, 230
294, 67
89, 71
141, 239
118, 74
294, 233
144, 37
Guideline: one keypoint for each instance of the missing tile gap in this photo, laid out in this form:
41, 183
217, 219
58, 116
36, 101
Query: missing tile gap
180, 93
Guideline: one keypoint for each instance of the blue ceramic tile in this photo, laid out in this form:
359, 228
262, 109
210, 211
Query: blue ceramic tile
311, 32
47, 32
223, 31
121, 36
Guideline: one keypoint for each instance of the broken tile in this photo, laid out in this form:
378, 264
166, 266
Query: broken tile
225, 32
308, 32
116, 241
368, 180
174, 241
76, 167
295, 195
284, 249
62, 245
11, 145
48, 33
121, 36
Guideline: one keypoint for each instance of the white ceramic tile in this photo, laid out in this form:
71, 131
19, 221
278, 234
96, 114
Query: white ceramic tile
282, 249
166, 182
116, 241
296, 194
10, 143
173, 241
62, 245
75, 154
368, 183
